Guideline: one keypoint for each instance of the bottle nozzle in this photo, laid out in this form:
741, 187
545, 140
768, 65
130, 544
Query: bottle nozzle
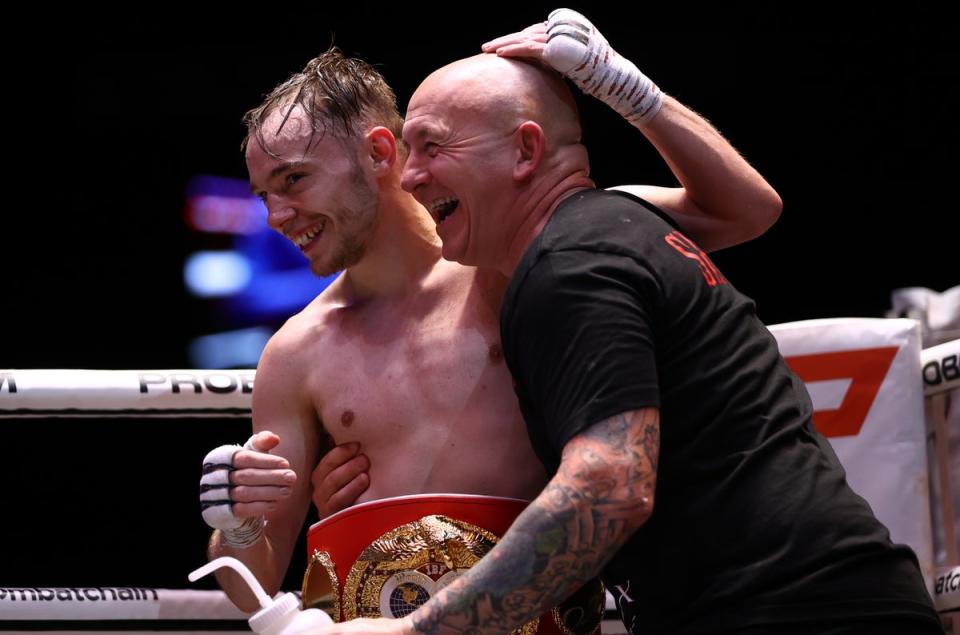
240, 568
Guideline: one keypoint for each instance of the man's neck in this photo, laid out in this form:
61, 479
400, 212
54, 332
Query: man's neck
536, 208
402, 251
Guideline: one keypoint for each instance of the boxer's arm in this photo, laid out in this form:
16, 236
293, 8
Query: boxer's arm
280, 404
722, 200
602, 493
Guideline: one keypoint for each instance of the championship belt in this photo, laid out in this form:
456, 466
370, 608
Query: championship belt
387, 557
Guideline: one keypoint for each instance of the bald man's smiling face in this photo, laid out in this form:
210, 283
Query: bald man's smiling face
493, 144
459, 168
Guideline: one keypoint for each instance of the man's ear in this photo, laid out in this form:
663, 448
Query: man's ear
382, 150
530, 144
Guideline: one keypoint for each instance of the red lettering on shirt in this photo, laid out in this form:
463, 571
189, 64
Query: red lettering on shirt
689, 249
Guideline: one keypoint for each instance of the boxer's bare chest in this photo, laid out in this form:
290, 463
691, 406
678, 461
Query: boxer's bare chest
422, 385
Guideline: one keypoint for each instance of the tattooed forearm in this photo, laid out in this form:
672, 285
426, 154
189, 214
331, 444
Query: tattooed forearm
601, 494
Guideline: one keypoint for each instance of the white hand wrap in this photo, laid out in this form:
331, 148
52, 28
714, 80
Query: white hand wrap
216, 505
577, 50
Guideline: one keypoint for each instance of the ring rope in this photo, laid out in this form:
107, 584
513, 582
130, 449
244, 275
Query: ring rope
126, 393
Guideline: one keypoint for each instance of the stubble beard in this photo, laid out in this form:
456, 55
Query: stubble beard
355, 232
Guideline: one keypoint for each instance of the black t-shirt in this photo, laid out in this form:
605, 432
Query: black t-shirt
611, 309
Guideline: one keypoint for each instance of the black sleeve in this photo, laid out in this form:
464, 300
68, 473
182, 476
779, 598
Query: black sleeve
582, 328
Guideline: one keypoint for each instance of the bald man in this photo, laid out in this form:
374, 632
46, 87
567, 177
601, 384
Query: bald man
684, 465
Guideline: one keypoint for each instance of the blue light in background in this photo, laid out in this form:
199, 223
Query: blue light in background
211, 274
231, 349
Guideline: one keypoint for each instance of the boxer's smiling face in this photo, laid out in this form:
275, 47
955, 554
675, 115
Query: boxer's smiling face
316, 192
455, 169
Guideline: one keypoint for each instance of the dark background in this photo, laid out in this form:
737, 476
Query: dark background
850, 112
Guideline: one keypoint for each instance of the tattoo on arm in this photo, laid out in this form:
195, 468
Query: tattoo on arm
601, 494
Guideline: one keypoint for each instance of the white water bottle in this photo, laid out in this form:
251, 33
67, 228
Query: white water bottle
281, 616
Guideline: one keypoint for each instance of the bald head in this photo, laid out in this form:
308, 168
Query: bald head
505, 92
494, 146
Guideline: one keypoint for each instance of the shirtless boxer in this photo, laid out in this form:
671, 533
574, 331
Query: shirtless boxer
400, 356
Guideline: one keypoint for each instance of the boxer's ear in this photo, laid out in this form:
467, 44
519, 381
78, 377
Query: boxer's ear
382, 150
529, 145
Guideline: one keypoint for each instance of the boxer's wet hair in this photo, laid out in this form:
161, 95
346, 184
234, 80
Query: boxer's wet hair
340, 95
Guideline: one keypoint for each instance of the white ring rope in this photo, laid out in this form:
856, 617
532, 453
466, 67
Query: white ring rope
114, 603
227, 393
941, 367
125, 393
